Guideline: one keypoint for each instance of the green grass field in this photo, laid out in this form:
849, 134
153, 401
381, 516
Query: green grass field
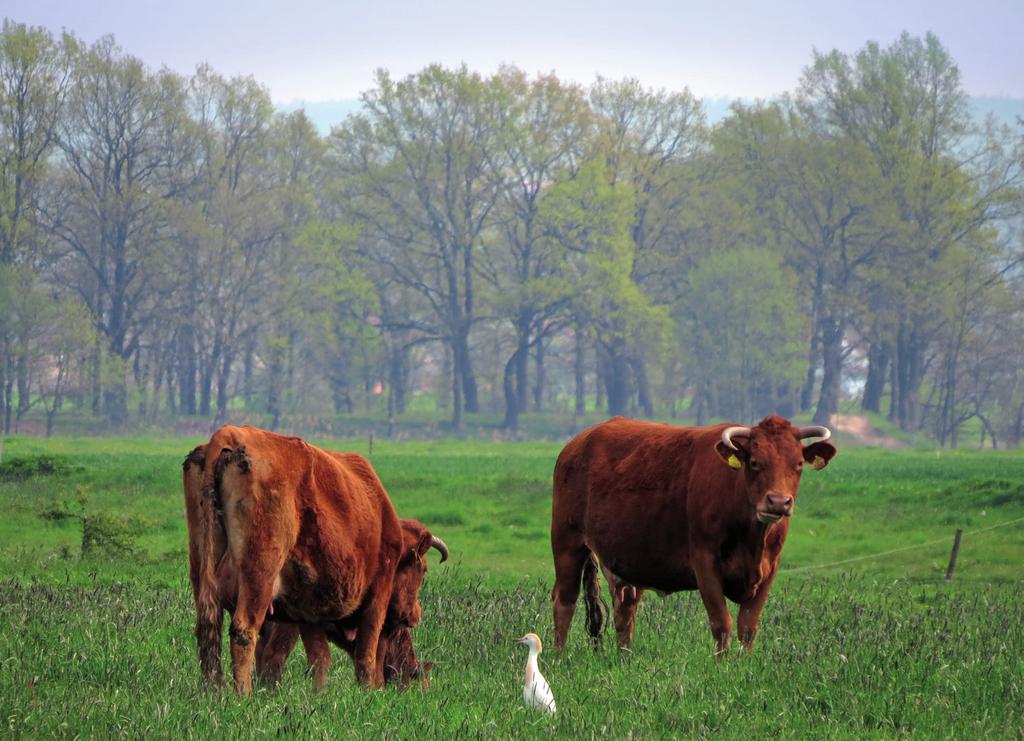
100, 643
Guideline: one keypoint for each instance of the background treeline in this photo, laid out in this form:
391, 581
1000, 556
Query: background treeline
171, 247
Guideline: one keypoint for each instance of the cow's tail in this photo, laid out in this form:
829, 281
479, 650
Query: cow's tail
209, 546
597, 608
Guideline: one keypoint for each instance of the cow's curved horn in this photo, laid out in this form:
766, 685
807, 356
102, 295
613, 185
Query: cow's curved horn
729, 432
436, 542
815, 431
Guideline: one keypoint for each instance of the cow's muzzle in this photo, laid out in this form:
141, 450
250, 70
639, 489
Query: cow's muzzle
774, 508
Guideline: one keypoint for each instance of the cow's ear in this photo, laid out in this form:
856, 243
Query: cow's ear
735, 458
819, 454
424, 543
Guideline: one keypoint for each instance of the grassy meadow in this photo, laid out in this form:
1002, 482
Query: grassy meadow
96, 614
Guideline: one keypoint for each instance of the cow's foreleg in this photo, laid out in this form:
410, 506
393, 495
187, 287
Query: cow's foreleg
709, 582
626, 598
750, 611
275, 645
318, 654
371, 621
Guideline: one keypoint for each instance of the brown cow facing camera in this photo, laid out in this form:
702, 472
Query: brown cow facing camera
676, 508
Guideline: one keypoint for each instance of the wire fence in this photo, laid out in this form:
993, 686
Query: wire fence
869, 556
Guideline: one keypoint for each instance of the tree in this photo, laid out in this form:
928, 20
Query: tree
906, 106
745, 344
417, 167
647, 138
590, 218
544, 128
34, 77
65, 346
823, 201
120, 147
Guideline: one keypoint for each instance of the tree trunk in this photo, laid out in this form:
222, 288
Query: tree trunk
617, 381
248, 364
4, 357
398, 379
909, 374
511, 422
222, 387
115, 402
456, 377
464, 370
275, 371
187, 371
878, 369
639, 367
7, 391
24, 386
97, 376
539, 381
522, 371
832, 369
579, 370
209, 368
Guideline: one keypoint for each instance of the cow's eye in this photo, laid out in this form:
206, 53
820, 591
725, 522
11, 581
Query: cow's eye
754, 465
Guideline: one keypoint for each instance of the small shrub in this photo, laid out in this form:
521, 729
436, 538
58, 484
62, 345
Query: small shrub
103, 534
110, 535
19, 469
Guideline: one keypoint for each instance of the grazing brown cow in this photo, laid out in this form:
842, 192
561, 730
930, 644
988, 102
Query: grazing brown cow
311, 540
676, 508
395, 655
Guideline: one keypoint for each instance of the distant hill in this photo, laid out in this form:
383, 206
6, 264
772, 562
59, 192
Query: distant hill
326, 114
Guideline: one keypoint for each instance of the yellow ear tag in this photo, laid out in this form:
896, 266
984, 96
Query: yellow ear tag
818, 463
734, 462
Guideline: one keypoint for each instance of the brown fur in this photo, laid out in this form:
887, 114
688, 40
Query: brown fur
267, 511
398, 662
662, 510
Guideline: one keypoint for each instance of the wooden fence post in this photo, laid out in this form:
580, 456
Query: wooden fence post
953, 555
371, 443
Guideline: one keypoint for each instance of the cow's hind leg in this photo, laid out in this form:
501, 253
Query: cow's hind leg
255, 593
569, 565
209, 624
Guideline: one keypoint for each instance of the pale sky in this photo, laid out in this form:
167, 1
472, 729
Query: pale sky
316, 50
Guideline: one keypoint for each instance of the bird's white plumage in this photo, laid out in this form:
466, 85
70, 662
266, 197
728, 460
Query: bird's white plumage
536, 690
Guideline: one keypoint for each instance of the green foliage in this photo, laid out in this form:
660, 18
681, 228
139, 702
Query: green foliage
466, 231
19, 469
743, 330
105, 535
591, 218
110, 536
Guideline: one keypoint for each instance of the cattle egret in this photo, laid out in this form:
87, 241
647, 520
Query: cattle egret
536, 691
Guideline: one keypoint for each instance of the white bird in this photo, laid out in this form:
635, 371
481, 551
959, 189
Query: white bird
536, 691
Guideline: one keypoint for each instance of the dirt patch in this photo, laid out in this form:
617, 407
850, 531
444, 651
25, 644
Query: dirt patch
860, 428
